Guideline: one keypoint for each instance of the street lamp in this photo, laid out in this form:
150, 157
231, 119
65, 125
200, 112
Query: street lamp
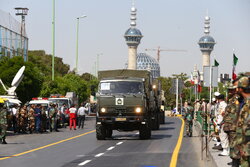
77, 32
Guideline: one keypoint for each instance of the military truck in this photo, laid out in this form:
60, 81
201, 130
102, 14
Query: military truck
126, 102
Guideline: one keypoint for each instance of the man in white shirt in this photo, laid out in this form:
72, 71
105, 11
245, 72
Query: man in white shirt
81, 115
223, 136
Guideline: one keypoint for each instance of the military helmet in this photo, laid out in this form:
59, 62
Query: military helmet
244, 82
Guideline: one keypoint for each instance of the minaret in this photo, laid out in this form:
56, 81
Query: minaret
133, 37
206, 43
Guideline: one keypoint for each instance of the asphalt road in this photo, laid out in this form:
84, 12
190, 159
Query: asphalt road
80, 148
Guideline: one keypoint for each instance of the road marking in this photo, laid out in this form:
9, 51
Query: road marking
174, 158
119, 143
98, 155
84, 162
49, 145
111, 148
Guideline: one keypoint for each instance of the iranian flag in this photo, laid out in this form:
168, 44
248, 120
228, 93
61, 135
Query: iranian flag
235, 61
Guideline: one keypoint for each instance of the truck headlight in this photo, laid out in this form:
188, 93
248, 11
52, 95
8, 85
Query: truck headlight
103, 110
138, 110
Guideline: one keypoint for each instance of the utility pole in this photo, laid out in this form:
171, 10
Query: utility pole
53, 40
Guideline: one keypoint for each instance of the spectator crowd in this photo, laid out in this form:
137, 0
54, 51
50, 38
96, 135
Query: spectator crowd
39, 119
230, 117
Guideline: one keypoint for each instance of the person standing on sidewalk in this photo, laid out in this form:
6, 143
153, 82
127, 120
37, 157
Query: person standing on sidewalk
63, 115
31, 118
223, 136
230, 120
243, 124
72, 117
81, 115
3, 121
53, 117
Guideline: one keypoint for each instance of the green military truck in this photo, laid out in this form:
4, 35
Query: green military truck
126, 101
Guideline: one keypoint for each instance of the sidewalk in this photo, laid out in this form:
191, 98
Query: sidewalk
220, 161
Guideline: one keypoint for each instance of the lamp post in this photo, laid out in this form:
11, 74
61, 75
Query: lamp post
53, 40
77, 32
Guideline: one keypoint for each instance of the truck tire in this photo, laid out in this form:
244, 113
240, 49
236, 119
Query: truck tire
109, 133
145, 132
100, 132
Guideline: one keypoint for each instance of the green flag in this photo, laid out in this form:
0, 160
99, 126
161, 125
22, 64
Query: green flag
216, 64
235, 60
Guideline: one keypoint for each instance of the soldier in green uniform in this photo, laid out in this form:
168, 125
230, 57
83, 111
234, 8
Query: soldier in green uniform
243, 124
189, 116
53, 117
3, 121
43, 119
230, 119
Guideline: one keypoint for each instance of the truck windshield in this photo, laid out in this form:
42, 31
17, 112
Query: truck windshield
121, 87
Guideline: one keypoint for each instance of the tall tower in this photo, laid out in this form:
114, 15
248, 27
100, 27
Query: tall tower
206, 43
133, 37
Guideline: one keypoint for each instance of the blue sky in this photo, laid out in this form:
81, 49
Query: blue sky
170, 24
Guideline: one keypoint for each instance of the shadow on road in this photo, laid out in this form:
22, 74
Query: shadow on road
169, 123
166, 128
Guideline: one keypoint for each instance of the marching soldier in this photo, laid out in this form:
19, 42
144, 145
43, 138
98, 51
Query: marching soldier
230, 120
3, 121
31, 117
243, 124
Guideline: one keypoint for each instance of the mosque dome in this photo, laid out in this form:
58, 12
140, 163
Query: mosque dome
146, 62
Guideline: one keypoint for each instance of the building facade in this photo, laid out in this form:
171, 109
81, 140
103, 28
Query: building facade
13, 42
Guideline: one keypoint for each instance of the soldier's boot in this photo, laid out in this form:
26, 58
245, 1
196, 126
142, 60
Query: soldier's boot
236, 163
3, 141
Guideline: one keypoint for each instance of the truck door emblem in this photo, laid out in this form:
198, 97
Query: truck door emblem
118, 101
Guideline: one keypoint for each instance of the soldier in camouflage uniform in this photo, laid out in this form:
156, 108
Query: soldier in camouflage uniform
22, 119
53, 117
31, 117
243, 124
230, 119
3, 121
189, 116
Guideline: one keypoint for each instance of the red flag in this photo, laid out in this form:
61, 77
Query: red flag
235, 60
234, 76
199, 88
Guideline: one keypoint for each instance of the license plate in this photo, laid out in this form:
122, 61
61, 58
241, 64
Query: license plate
120, 119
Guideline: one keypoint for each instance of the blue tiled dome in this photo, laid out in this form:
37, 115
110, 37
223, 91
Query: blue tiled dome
206, 39
145, 62
133, 32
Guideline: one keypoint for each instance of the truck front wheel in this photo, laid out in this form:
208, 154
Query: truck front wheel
100, 132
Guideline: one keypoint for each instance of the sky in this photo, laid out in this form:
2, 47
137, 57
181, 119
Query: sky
169, 24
